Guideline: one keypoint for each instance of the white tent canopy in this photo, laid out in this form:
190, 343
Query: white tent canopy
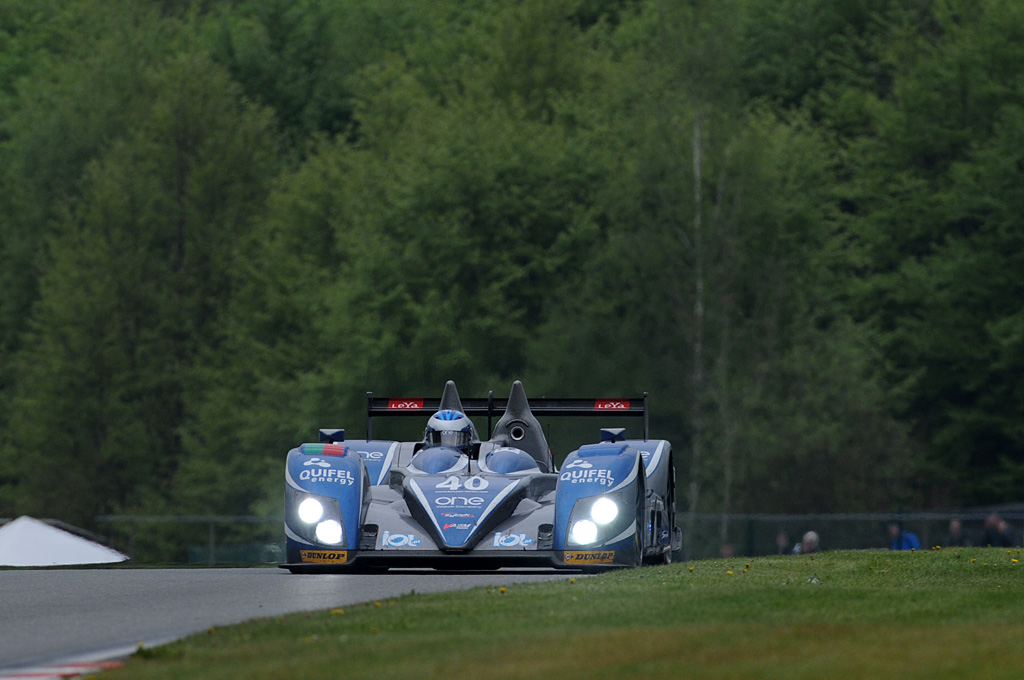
28, 542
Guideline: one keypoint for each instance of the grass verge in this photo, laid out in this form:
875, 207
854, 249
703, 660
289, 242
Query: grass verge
942, 613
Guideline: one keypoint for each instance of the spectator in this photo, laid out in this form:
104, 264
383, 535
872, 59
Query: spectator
956, 538
997, 532
902, 540
782, 544
1006, 529
809, 544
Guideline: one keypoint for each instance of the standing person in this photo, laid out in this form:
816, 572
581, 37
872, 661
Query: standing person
902, 540
782, 544
956, 537
1007, 531
808, 544
997, 532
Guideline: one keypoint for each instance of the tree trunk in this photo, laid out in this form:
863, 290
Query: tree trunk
696, 438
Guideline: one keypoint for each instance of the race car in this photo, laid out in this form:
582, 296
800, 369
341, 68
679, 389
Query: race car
454, 501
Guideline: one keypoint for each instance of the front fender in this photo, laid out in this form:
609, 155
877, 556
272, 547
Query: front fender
330, 471
611, 470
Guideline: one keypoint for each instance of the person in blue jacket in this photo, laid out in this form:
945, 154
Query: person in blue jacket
902, 540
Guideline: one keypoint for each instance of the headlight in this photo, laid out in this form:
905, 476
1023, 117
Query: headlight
604, 511
329, 532
595, 520
583, 532
311, 510
316, 519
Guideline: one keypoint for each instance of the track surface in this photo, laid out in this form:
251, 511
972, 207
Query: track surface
53, 615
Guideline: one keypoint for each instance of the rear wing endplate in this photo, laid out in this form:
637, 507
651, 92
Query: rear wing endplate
492, 406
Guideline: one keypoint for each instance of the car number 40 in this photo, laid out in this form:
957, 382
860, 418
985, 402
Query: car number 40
474, 483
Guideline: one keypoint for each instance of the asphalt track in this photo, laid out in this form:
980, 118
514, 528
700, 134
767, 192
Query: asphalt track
53, 615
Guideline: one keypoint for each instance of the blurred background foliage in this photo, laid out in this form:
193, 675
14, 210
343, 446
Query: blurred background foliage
797, 224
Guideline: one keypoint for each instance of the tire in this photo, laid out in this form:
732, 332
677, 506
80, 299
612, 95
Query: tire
668, 555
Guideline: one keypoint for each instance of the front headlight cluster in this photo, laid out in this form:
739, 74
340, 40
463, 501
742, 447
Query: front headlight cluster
319, 518
593, 520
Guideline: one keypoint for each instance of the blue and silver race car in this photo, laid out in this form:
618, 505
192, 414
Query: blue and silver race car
454, 501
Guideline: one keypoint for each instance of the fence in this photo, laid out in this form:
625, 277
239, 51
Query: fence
760, 534
197, 539
229, 539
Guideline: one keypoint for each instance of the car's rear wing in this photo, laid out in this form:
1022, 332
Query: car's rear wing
492, 406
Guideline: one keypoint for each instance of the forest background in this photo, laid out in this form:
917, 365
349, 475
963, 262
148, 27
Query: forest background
797, 224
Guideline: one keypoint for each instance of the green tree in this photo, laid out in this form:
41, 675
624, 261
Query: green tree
723, 252
300, 58
423, 249
77, 80
938, 238
141, 269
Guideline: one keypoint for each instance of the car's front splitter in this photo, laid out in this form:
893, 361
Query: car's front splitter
341, 561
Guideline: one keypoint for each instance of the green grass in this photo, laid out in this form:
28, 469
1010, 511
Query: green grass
932, 614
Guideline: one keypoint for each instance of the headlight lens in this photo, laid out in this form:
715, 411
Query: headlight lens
329, 532
604, 511
311, 510
316, 519
583, 532
595, 520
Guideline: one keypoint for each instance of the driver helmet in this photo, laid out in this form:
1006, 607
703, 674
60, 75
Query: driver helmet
449, 428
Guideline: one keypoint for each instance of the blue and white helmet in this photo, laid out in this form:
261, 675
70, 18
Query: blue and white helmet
449, 428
